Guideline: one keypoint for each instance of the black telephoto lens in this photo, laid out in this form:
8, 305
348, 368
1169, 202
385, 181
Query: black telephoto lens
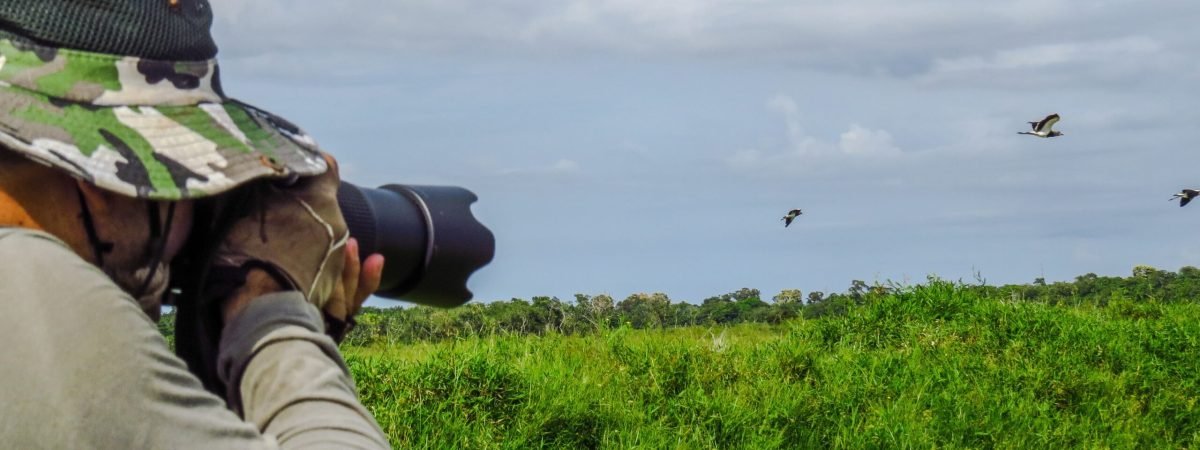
429, 240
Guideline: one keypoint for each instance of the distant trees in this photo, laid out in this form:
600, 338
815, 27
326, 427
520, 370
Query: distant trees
645, 310
590, 313
1145, 283
788, 296
596, 311
858, 288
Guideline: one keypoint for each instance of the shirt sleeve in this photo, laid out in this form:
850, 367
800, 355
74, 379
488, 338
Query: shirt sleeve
274, 350
85, 368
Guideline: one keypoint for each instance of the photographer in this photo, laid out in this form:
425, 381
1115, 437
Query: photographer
126, 177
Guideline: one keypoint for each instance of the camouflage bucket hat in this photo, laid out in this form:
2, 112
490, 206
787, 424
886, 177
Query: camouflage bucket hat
133, 103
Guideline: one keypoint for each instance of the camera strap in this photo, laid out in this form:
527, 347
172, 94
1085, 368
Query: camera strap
99, 248
158, 241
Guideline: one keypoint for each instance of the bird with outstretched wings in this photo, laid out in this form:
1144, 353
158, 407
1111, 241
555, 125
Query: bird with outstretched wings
1043, 128
791, 215
1185, 196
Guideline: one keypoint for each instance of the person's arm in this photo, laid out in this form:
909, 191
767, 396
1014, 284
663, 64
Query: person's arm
85, 368
275, 359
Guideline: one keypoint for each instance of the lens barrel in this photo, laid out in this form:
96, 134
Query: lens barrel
430, 241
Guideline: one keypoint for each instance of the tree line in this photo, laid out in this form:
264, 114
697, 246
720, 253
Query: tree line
590, 313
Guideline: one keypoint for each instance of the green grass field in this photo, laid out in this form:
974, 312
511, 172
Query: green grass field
932, 365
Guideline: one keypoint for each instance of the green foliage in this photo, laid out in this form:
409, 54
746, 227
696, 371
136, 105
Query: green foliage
940, 364
588, 314
1092, 362
166, 326
789, 296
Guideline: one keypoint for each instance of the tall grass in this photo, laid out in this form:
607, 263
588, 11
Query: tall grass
931, 365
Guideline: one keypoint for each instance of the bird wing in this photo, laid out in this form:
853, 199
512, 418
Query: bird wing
787, 221
1047, 124
1184, 201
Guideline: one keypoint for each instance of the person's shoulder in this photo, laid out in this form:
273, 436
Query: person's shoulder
27, 247
17, 237
39, 260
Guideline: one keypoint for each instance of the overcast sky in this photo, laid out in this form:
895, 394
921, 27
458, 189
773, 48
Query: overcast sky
623, 146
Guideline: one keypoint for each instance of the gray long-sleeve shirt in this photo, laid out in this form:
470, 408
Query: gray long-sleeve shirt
84, 367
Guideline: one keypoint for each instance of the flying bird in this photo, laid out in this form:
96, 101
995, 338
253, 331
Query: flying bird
1042, 128
1184, 196
791, 215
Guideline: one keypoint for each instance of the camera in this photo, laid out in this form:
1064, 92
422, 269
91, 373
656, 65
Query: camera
430, 241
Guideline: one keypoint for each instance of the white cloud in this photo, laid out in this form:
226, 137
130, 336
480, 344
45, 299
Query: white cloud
1046, 65
863, 36
801, 143
863, 141
1054, 54
855, 146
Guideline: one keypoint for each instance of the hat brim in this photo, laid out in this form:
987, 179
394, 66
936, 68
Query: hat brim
156, 152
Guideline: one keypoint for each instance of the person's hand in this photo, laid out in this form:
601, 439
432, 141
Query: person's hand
359, 280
